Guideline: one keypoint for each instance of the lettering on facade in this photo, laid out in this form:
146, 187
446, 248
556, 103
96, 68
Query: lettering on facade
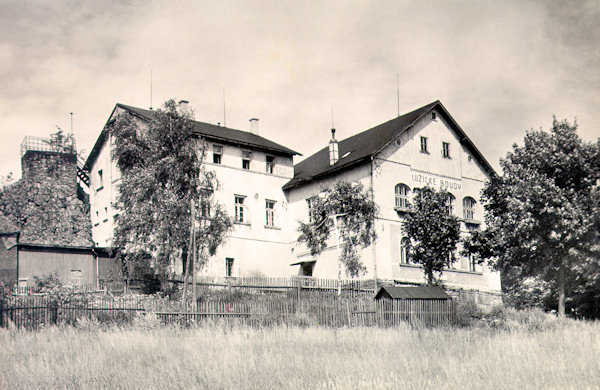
420, 179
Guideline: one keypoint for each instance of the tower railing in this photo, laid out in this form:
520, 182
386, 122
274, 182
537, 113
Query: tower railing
40, 144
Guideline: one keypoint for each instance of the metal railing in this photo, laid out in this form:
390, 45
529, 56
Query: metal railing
40, 144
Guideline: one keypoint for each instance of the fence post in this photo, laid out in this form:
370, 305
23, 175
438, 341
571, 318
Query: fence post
53, 312
1, 314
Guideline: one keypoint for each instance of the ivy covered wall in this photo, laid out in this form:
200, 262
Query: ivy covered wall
43, 204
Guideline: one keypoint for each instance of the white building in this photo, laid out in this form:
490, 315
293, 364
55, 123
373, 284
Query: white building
425, 147
268, 195
251, 171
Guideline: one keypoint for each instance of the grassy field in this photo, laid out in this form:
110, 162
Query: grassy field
540, 355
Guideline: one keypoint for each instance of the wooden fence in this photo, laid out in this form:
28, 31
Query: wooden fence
429, 312
292, 282
308, 308
122, 286
33, 312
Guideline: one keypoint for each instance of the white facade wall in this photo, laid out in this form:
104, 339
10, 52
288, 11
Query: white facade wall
254, 247
327, 264
402, 161
104, 178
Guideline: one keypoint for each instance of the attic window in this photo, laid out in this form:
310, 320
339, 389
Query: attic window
346, 154
433, 116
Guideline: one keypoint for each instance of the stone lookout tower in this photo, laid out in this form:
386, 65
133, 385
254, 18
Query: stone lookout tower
45, 159
48, 205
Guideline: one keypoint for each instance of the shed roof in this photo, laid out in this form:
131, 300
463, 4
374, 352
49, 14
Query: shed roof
210, 131
413, 292
360, 147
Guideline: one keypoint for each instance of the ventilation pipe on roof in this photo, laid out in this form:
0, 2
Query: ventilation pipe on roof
254, 126
334, 154
184, 109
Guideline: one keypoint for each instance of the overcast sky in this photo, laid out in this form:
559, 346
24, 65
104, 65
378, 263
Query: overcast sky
499, 67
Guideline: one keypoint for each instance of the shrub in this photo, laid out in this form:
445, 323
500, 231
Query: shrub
467, 314
531, 320
146, 321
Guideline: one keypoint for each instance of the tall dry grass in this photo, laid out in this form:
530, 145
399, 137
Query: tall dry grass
556, 355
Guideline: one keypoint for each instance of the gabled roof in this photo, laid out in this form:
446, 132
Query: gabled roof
418, 292
210, 131
362, 146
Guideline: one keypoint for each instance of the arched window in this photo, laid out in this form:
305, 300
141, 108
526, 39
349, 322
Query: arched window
402, 191
469, 208
404, 242
450, 200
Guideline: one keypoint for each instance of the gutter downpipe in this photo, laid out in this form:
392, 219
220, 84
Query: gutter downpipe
374, 243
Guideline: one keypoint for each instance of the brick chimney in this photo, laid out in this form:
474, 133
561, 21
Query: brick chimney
254, 126
184, 109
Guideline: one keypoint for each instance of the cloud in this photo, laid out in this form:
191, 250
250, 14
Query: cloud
499, 67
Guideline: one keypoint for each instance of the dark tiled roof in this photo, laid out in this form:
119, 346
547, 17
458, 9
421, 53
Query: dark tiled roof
368, 143
212, 132
420, 292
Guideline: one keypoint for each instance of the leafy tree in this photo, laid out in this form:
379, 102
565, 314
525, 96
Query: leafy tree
165, 198
60, 142
6, 180
352, 209
542, 214
433, 232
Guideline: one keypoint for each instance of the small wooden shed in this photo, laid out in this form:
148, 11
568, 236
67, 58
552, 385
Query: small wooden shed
425, 305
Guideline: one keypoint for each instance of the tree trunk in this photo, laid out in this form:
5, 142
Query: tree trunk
193, 270
190, 251
561, 290
429, 277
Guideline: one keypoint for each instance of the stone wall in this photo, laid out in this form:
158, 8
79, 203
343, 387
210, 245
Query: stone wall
8, 258
44, 203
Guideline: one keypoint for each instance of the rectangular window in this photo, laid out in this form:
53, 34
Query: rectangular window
76, 277
246, 157
204, 208
217, 153
100, 180
228, 266
22, 284
270, 164
473, 263
270, 213
445, 150
240, 209
311, 210
424, 145
450, 204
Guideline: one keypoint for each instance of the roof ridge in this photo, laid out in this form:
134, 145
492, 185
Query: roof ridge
357, 147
